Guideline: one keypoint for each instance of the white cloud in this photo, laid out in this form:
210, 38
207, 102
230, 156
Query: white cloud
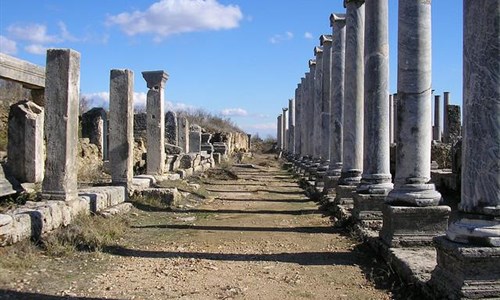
36, 49
263, 126
35, 33
308, 36
167, 17
278, 38
176, 106
65, 34
7, 46
234, 112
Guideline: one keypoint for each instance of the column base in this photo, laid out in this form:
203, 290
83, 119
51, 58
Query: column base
465, 271
475, 231
344, 194
418, 194
406, 226
368, 206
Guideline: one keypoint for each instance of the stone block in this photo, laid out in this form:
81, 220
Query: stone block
121, 208
344, 194
466, 272
169, 196
6, 187
25, 151
22, 228
103, 197
6, 225
171, 128
368, 206
143, 181
194, 138
183, 134
406, 226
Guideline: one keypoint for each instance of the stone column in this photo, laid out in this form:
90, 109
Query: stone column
155, 121
94, 127
298, 121
395, 109
284, 125
376, 178
304, 117
195, 138
318, 96
326, 43
171, 130
183, 134
279, 134
62, 96
291, 126
391, 119
310, 115
469, 257
337, 22
446, 133
352, 161
437, 119
25, 148
413, 216
121, 126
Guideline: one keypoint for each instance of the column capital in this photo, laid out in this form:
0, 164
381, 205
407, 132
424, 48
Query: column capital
325, 38
336, 18
318, 50
155, 79
359, 2
312, 62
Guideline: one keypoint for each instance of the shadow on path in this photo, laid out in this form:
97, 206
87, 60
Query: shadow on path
328, 229
8, 294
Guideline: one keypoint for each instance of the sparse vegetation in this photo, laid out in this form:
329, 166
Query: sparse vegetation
210, 122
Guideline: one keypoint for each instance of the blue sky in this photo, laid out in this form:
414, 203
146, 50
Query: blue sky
237, 58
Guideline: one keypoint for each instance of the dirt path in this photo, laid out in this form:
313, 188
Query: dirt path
261, 238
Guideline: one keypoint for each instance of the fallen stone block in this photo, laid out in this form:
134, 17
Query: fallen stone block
121, 208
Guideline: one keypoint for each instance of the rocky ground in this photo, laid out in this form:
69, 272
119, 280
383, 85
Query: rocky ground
260, 238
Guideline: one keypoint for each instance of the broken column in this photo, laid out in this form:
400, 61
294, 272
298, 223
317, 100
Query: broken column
469, 256
376, 178
352, 161
413, 215
337, 22
25, 148
194, 138
62, 96
171, 130
446, 133
94, 127
121, 126
436, 130
155, 121
183, 134
291, 126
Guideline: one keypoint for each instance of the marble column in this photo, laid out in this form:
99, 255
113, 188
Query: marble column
446, 132
395, 108
391, 119
62, 95
298, 121
311, 96
318, 97
352, 161
413, 197
376, 177
291, 126
326, 43
469, 257
121, 126
303, 116
155, 121
279, 134
284, 119
437, 119
337, 22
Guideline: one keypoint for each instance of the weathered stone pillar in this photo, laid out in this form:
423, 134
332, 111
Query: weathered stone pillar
413, 198
171, 130
25, 148
446, 133
62, 95
279, 134
391, 119
156, 121
95, 128
376, 178
284, 118
194, 138
183, 134
298, 121
437, 119
352, 162
337, 22
469, 258
291, 126
318, 96
326, 43
121, 126
454, 123
310, 110
304, 115
395, 109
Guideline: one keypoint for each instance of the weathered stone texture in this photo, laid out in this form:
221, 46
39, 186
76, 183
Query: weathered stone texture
194, 138
95, 128
171, 130
183, 134
25, 150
